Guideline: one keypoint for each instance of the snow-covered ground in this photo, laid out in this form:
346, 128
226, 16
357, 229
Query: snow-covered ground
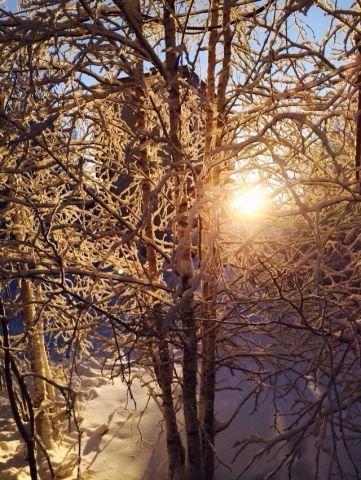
122, 437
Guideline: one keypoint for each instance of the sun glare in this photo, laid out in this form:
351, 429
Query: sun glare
249, 203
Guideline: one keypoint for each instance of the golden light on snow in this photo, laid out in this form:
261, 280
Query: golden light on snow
249, 203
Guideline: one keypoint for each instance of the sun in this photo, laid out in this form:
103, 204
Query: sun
250, 203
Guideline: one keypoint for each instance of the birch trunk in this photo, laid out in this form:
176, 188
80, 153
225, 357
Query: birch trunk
358, 119
28, 435
214, 136
38, 363
44, 395
207, 380
184, 267
162, 358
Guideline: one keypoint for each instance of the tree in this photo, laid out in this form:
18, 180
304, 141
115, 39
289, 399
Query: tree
122, 161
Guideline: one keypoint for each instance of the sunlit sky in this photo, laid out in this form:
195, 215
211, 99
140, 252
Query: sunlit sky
249, 203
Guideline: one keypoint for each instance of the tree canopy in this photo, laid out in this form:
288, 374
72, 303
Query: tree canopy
180, 192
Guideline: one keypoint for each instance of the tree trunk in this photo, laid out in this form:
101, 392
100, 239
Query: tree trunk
207, 379
216, 105
28, 435
164, 371
162, 359
38, 363
184, 267
358, 118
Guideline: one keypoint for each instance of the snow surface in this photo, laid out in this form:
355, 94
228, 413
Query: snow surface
122, 437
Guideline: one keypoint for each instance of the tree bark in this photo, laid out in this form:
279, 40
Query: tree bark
28, 435
38, 358
358, 117
162, 358
214, 136
38, 363
207, 378
184, 266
